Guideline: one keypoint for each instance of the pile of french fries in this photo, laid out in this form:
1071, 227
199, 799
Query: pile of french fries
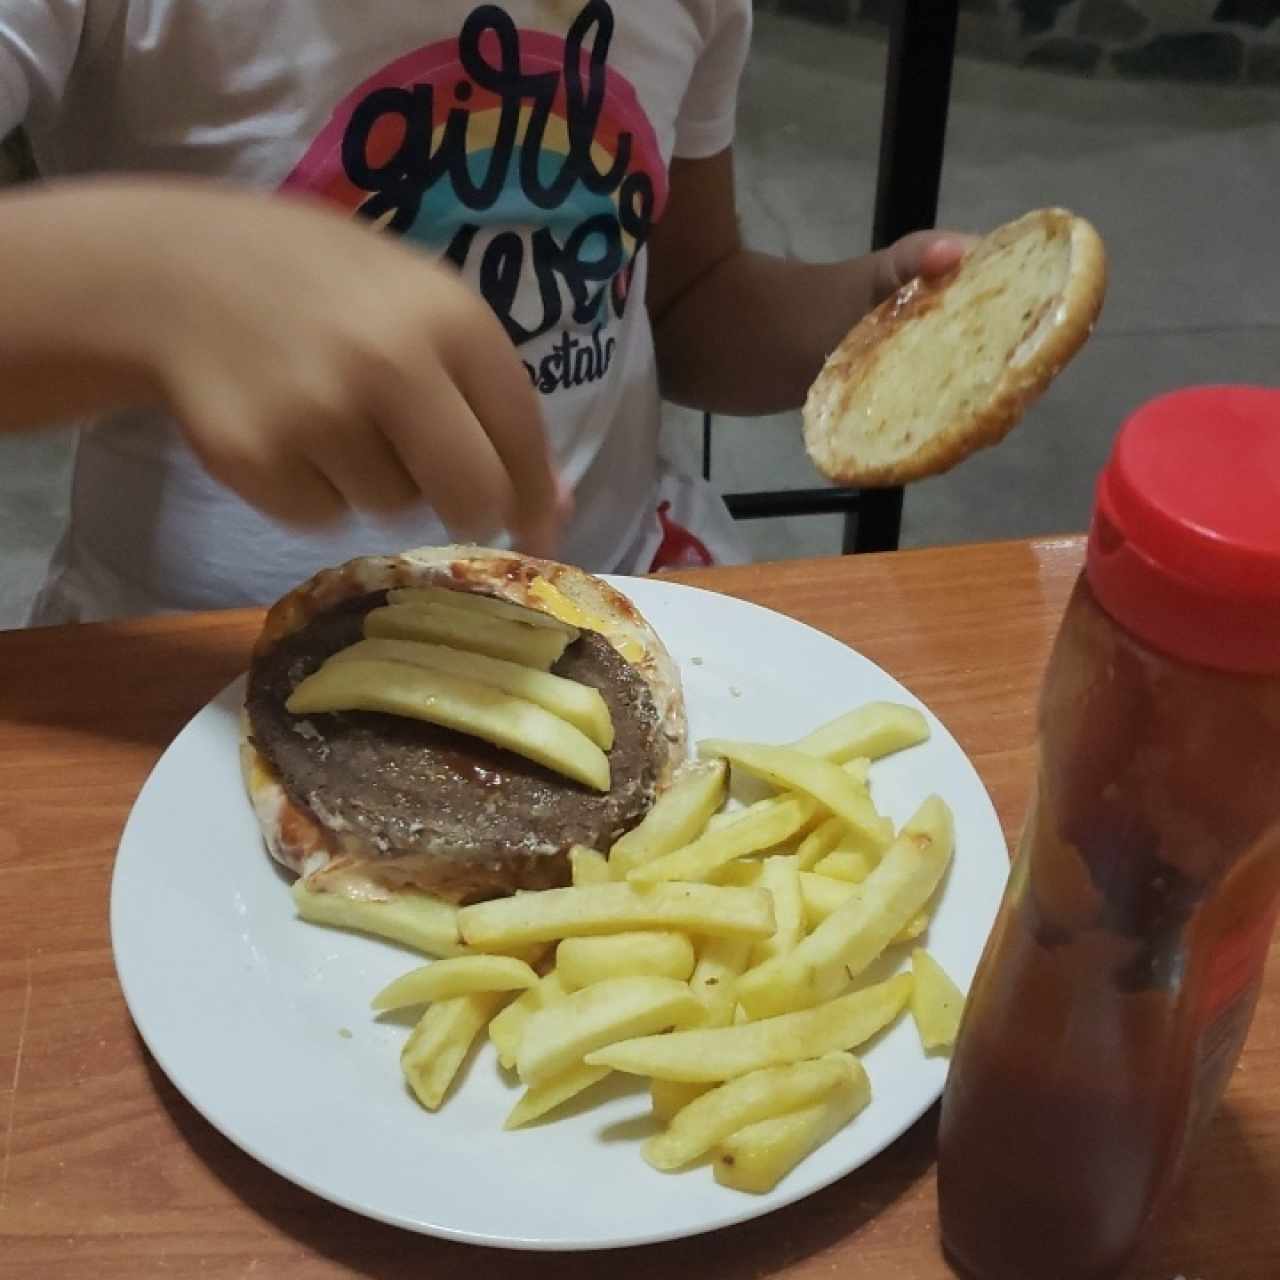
719, 954
474, 664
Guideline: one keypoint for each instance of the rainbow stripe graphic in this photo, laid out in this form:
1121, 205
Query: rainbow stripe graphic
441, 213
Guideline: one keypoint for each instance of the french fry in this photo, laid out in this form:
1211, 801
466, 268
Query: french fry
858, 768
579, 704
489, 606
415, 919
457, 703
507, 1025
645, 953
725, 1052
781, 877
874, 729
615, 908
819, 842
850, 865
849, 939
439, 1043
822, 895
461, 976
720, 961
530, 646
914, 928
745, 1100
538, 1099
826, 783
936, 1002
718, 821
586, 866
675, 820
745, 873
758, 1157
831, 832
669, 1096
558, 1036
757, 828
757, 810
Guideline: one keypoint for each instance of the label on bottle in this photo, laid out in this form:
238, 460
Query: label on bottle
1236, 965
1230, 994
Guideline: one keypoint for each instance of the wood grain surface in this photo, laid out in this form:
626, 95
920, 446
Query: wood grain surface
106, 1173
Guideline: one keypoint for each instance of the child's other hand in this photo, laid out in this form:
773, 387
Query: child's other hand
318, 366
922, 253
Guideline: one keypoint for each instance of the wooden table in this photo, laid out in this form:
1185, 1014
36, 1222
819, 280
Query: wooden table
105, 1171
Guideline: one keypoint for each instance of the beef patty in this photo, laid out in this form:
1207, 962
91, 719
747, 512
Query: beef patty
483, 820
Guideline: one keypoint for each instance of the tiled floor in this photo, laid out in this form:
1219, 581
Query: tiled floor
1181, 179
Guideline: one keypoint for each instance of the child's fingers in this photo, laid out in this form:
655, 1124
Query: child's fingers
922, 253
240, 450
540, 535
363, 467
290, 489
297, 495
506, 405
446, 451
943, 252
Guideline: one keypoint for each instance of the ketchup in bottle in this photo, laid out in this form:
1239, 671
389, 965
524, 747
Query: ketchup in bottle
1119, 981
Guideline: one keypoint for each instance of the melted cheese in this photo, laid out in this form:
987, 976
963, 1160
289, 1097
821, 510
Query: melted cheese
558, 605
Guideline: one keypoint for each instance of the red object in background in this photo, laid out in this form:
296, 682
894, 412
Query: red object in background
679, 549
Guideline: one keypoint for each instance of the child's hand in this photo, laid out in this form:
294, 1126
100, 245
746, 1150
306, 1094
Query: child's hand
315, 364
922, 253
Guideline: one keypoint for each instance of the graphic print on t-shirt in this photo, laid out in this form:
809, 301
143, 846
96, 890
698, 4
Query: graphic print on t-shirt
522, 157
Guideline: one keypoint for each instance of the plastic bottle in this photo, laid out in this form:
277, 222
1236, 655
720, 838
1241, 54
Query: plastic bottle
1119, 981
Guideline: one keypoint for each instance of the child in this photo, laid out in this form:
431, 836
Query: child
280, 377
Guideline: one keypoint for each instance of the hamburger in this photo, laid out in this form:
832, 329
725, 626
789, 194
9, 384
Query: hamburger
364, 801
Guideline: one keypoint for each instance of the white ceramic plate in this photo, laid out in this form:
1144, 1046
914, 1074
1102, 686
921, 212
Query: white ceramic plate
262, 1021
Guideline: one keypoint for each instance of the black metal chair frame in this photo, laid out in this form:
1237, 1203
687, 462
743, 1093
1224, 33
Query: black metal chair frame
922, 39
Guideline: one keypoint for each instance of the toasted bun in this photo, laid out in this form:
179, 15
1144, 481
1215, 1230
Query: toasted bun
302, 844
948, 366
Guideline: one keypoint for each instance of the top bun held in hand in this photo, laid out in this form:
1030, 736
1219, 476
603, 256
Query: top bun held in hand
949, 365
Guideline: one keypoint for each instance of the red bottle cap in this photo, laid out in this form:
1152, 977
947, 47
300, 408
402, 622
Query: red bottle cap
1184, 550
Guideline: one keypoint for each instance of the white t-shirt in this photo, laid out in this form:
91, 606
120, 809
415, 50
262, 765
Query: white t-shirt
527, 141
